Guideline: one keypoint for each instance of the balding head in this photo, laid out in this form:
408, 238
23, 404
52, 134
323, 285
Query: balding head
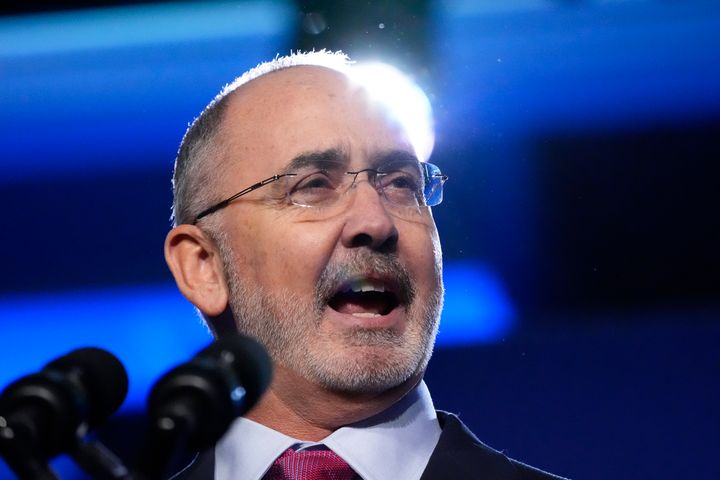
196, 167
199, 162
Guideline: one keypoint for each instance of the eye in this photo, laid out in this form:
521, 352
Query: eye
402, 188
317, 180
401, 180
314, 190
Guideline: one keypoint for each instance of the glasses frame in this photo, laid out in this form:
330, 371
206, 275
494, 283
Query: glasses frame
429, 170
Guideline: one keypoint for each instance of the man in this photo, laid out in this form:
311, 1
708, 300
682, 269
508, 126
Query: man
303, 219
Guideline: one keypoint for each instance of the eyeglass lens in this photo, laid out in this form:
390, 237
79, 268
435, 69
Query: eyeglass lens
405, 185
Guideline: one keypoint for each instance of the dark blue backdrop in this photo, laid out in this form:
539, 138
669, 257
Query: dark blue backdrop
580, 224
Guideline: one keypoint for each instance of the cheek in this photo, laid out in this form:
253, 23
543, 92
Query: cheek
307, 250
420, 246
290, 256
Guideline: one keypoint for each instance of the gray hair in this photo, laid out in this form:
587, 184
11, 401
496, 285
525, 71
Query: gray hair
194, 167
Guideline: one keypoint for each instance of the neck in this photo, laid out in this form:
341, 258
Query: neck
308, 412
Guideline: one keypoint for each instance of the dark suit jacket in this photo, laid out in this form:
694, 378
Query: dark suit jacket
458, 455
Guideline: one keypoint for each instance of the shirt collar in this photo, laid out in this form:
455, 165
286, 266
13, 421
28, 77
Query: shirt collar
248, 449
396, 443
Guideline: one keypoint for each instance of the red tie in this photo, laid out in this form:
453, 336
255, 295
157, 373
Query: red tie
310, 465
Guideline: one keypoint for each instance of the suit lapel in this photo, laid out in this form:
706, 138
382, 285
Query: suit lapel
201, 468
459, 454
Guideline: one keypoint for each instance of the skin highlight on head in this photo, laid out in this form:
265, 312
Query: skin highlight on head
276, 267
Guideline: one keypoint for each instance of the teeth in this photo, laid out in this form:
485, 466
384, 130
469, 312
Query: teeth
365, 285
366, 315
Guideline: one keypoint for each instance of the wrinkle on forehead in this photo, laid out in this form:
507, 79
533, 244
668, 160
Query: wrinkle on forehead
339, 157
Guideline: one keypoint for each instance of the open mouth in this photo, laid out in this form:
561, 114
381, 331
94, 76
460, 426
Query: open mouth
365, 297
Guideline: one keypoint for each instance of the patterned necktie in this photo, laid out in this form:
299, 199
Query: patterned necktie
310, 465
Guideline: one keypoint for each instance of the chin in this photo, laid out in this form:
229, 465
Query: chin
366, 367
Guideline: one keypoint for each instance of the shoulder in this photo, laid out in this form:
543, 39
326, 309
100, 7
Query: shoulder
459, 454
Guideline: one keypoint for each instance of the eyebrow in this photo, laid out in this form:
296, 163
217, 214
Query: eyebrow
330, 159
337, 158
393, 157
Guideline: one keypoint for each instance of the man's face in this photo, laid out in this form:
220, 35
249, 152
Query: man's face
308, 282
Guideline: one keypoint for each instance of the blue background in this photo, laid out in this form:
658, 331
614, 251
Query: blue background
580, 223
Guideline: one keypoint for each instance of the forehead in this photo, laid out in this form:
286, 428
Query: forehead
301, 110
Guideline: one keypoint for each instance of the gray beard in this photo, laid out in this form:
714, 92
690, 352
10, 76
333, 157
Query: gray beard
359, 361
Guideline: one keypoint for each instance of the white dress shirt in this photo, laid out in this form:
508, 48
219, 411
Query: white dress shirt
395, 444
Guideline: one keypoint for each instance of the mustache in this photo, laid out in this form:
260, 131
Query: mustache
363, 263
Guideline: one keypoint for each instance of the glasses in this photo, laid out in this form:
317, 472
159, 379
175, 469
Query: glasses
407, 186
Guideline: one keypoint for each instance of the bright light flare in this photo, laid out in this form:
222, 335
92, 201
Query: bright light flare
404, 100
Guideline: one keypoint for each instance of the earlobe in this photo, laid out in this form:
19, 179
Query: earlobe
195, 263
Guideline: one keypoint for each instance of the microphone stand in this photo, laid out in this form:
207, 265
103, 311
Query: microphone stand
92, 456
15, 449
99, 462
168, 431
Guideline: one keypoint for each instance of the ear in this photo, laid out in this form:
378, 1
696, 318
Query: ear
195, 262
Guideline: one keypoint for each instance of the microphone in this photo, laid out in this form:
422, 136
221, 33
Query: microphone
46, 413
193, 405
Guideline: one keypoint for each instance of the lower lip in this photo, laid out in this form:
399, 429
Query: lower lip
393, 319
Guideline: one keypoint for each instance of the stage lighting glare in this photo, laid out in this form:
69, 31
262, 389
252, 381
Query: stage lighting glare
404, 99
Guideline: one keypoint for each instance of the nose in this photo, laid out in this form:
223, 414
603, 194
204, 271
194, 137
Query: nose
367, 221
